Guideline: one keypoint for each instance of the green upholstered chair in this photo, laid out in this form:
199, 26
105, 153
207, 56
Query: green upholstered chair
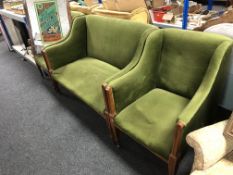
39, 59
169, 92
96, 49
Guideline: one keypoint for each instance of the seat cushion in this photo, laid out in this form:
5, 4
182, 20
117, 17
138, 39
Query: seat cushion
151, 120
84, 78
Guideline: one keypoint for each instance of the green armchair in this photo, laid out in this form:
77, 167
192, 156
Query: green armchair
169, 92
96, 49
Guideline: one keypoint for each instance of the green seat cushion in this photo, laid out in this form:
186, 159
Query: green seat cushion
151, 120
41, 62
84, 78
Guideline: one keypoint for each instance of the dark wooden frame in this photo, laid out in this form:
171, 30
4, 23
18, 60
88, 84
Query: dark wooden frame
177, 140
228, 132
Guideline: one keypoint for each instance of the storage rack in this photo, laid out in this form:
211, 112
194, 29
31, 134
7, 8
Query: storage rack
12, 36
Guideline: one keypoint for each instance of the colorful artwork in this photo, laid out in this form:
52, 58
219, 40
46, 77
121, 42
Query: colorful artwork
48, 18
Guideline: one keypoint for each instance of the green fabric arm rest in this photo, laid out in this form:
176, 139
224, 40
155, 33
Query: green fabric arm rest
136, 82
136, 57
196, 111
71, 47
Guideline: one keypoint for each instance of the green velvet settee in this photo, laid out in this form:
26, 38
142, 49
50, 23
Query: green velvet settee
170, 92
96, 49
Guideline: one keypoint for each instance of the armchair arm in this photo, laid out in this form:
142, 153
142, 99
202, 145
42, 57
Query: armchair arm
72, 47
136, 57
209, 144
197, 109
138, 80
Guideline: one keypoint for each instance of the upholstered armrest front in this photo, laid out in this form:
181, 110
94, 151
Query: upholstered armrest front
70, 48
196, 110
209, 144
138, 80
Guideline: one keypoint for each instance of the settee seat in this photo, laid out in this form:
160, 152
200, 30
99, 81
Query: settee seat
149, 118
85, 76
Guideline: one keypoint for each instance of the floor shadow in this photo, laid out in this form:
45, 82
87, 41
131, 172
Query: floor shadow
136, 156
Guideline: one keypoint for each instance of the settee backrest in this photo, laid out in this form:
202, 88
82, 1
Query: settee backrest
184, 60
112, 40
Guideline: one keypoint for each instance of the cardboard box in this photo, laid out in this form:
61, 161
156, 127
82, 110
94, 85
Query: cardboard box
91, 2
177, 10
18, 9
158, 3
140, 15
8, 4
123, 5
74, 6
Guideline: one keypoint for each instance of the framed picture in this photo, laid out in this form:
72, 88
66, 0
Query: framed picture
48, 19
229, 128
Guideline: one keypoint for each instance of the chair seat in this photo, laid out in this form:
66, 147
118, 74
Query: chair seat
84, 78
151, 120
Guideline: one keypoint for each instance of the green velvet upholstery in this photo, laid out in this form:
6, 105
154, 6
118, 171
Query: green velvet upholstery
175, 80
186, 59
71, 48
149, 118
39, 58
97, 49
119, 40
84, 79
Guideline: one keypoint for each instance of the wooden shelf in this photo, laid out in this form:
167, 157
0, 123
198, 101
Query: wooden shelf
13, 15
20, 49
168, 25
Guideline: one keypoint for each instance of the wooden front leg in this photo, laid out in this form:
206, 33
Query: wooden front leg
175, 153
110, 112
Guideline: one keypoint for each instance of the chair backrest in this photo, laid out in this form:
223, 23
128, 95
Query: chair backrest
184, 60
113, 40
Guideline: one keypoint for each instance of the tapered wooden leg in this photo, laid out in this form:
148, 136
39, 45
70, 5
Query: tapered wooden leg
56, 86
41, 72
115, 134
175, 153
110, 113
108, 123
172, 164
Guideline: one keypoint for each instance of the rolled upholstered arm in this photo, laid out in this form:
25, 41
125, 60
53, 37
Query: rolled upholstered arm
71, 48
136, 81
196, 109
209, 144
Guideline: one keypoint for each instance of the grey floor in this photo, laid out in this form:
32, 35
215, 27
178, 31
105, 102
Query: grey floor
45, 133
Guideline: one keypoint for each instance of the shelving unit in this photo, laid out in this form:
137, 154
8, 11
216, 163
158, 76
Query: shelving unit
12, 15
168, 25
184, 25
12, 34
26, 54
